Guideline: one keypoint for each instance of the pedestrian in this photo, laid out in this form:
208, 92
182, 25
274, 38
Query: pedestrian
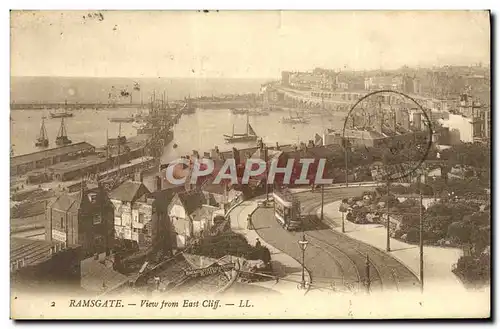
249, 223
257, 243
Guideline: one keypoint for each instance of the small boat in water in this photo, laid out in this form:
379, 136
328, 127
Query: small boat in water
42, 140
122, 119
295, 119
258, 112
239, 111
63, 114
62, 137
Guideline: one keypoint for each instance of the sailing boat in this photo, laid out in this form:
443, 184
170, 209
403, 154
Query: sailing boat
43, 139
63, 114
249, 136
62, 136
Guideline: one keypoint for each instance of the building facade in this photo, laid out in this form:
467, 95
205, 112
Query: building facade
132, 212
83, 218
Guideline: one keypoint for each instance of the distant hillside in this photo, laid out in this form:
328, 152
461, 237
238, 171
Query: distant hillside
58, 89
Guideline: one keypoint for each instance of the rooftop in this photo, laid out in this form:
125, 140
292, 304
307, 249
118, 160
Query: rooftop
78, 164
129, 191
203, 212
98, 277
30, 252
66, 202
191, 200
49, 153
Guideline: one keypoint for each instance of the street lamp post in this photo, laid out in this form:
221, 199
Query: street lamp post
267, 184
343, 226
322, 200
303, 245
421, 231
388, 247
346, 164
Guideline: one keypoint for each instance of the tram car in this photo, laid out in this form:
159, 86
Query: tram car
287, 210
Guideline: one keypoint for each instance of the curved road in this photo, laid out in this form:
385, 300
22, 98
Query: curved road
331, 257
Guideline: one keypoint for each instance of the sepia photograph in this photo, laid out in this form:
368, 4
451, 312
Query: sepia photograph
274, 164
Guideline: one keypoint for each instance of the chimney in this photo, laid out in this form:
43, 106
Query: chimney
158, 185
139, 176
277, 146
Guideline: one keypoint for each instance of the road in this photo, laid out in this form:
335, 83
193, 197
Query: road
331, 257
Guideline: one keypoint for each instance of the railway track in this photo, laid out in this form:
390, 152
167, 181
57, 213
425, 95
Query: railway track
385, 271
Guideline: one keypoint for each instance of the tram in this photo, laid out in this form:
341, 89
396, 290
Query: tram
287, 210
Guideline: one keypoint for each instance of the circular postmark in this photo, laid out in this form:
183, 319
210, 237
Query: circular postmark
389, 133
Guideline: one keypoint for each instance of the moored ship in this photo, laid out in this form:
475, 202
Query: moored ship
248, 136
42, 140
62, 136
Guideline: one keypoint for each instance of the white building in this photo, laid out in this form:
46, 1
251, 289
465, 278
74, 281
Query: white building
133, 211
461, 128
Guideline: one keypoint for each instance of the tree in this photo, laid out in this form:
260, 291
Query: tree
468, 154
460, 232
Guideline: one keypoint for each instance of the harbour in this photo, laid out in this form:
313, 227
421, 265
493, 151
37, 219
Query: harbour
189, 133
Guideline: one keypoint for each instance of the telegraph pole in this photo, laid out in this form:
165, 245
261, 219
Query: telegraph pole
388, 248
346, 166
322, 200
367, 269
267, 173
421, 229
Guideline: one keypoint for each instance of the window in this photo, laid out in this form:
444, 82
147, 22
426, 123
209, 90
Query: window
141, 218
98, 240
92, 197
97, 219
61, 223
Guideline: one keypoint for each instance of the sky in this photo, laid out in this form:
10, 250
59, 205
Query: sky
232, 44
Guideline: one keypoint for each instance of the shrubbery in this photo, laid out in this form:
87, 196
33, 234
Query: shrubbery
230, 243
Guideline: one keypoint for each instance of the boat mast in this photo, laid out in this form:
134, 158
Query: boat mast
43, 134
247, 125
11, 145
119, 142
62, 130
107, 144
